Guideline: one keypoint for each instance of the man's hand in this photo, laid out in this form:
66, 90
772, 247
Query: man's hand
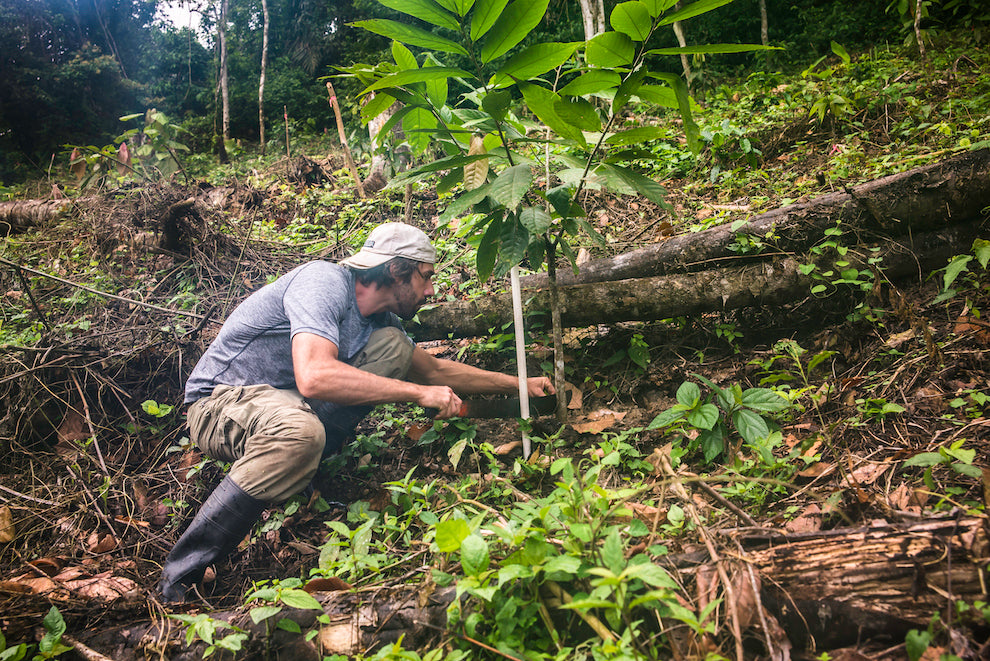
441, 398
539, 386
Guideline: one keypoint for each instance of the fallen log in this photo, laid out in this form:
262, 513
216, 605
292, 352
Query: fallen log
826, 589
920, 200
19, 215
769, 282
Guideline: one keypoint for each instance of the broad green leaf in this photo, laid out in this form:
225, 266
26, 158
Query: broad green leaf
424, 171
691, 130
688, 394
967, 470
410, 76
657, 7
534, 61
704, 417
488, 248
541, 102
610, 49
436, 88
486, 12
658, 95
264, 612
693, 9
632, 19
450, 534
560, 198
710, 49
517, 21
419, 124
586, 604
462, 7
628, 87
578, 112
651, 575
535, 219
925, 459
514, 241
296, 598
496, 103
409, 34
645, 186
751, 425
403, 56
841, 52
396, 117
465, 202
376, 106
474, 555
455, 452
590, 82
425, 10
981, 248
712, 442
636, 135
511, 185
763, 399
285, 624
567, 564
958, 264
916, 643
613, 552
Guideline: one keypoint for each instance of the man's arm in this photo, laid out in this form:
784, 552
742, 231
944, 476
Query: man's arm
320, 375
467, 380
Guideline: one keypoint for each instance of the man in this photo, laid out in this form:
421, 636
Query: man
295, 367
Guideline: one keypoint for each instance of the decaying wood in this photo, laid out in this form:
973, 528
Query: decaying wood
920, 200
19, 215
771, 282
826, 589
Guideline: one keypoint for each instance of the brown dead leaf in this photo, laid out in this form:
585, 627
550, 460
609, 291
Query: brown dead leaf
865, 475
747, 602
576, 396
598, 421
77, 582
810, 520
327, 584
979, 329
7, 531
104, 587
648, 513
47, 566
189, 459
897, 339
415, 431
101, 543
815, 470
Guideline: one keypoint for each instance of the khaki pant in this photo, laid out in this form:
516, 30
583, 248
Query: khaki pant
272, 436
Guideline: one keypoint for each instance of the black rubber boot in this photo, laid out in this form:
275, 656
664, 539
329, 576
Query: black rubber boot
223, 521
342, 426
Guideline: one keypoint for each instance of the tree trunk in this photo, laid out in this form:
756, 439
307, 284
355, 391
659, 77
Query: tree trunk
769, 282
682, 42
261, 79
593, 15
838, 587
764, 30
919, 200
224, 90
19, 215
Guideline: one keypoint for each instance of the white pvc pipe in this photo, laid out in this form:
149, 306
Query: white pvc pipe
520, 332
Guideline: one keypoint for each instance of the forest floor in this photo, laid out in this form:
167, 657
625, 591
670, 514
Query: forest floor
99, 479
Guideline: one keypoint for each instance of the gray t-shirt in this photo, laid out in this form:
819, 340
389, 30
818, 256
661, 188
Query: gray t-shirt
254, 345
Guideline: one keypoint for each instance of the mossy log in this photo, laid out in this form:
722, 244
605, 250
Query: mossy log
769, 282
924, 199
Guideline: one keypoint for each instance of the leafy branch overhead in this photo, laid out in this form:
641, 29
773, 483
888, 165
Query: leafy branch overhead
469, 105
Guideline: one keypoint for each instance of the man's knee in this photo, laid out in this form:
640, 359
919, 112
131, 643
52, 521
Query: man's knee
280, 462
388, 353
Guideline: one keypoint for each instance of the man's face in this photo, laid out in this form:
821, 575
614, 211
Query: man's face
410, 296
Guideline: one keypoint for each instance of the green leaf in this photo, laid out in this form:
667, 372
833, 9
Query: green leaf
658, 95
436, 88
488, 248
967, 469
632, 19
981, 248
958, 264
590, 82
450, 534
704, 417
541, 101
285, 624
410, 76
657, 7
474, 555
751, 425
560, 198
464, 202
693, 9
841, 52
691, 130
763, 399
651, 575
403, 56
514, 241
424, 10
645, 186
517, 21
264, 612
535, 219
925, 459
486, 12
54, 623
462, 7
636, 135
567, 564
711, 49
511, 185
409, 34
578, 112
613, 552
419, 125
449, 163
916, 642
712, 442
688, 394
455, 452
376, 106
610, 49
534, 61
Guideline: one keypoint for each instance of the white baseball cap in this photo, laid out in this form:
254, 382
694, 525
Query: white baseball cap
390, 240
